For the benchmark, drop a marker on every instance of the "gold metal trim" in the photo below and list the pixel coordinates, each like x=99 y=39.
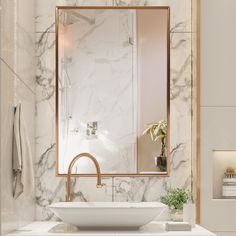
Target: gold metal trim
x=57 y=86
x=198 y=155
x=161 y=174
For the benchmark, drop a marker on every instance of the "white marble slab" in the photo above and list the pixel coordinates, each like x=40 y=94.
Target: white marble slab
x=180 y=14
x=58 y=228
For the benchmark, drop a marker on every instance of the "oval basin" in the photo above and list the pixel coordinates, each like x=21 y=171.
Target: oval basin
x=107 y=215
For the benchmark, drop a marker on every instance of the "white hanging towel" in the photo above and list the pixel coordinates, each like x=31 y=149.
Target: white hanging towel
x=23 y=170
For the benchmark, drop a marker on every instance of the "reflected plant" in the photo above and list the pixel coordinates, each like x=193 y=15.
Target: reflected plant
x=158 y=132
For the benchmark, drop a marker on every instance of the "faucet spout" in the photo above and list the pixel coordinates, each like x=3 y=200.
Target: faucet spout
x=72 y=163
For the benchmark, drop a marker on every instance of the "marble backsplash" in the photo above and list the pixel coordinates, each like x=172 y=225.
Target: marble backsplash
x=50 y=188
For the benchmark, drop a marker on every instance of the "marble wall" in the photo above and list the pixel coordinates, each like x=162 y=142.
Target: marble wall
x=50 y=188
x=17 y=85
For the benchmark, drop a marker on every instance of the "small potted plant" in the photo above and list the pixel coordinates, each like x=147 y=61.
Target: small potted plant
x=175 y=200
x=158 y=132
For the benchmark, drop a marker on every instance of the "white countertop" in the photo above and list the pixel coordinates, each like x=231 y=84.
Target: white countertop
x=49 y=228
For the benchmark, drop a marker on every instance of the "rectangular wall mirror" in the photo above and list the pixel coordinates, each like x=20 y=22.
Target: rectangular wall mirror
x=113 y=83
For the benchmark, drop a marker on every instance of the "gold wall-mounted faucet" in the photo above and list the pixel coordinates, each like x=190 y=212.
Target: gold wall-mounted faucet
x=76 y=158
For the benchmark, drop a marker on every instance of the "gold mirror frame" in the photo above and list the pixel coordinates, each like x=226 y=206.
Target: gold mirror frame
x=164 y=174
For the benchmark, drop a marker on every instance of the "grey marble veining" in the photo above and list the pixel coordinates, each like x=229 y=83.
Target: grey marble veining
x=50 y=188
x=97 y=84
x=153 y=188
x=180 y=13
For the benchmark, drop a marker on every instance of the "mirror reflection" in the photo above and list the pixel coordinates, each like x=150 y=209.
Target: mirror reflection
x=113 y=90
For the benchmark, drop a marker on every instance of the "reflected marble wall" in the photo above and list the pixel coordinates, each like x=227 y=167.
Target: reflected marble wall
x=17 y=85
x=50 y=188
x=97 y=85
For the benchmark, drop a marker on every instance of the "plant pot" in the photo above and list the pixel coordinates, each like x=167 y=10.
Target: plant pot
x=176 y=215
x=161 y=163
x=189 y=213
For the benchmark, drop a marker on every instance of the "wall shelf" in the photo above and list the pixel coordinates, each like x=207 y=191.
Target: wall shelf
x=224 y=200
x=221 y=160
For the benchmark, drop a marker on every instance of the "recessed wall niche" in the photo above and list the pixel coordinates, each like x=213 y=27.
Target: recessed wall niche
x=222 y=159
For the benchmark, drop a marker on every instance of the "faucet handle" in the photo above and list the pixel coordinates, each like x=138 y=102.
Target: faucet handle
x=100 y=185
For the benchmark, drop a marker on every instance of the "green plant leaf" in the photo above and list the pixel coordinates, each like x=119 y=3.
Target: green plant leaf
x=176 y=198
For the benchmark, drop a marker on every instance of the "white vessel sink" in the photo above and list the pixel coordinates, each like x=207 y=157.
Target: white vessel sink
x=107 y=215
